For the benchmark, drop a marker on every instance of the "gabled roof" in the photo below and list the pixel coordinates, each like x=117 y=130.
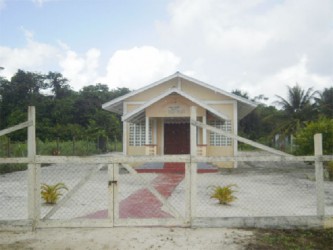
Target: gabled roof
x=140 y=110
x=244 y=106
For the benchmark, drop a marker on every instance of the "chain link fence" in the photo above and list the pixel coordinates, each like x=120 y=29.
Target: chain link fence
x=151 y=194
x=87 y=189
x=14 y=196
x=261 y=189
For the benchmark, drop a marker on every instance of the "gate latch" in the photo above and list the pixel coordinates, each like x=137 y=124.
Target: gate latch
x=112 y=182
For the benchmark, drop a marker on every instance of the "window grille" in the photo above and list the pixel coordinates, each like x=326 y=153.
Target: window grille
x=137 y=134
x=217 y=139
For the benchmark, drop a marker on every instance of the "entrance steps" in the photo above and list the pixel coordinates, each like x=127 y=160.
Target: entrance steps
x=174 y=167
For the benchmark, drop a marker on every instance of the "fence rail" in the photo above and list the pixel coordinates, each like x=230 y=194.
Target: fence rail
x=40 y=159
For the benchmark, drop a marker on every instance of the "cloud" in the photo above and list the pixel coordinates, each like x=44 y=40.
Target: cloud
x=31 y=57
x=35 y=56
x=276 y=84
x=256 y=46
x=250 y=45
x=139 y=66
x=80 y=70
x=130 y=68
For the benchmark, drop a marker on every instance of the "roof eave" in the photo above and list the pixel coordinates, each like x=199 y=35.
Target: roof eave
x=233 y=96
x=140 y=109
x=108 y=105
x=112 y=105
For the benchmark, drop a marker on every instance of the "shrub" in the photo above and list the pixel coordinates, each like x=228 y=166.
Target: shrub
x=304 y=137
x=224 y=194
x=52 y=193
x=9 y=168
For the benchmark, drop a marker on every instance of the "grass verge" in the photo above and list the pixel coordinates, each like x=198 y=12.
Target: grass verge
x=8 y=168
x=304 y=239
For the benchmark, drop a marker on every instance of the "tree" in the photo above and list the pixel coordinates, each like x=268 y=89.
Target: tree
x=58 y=84
x=240 y=93
x=259 y=124
x=23 y=88
x=60 y=111
x=297 y=109
x=325 y=103
x=3 y=84
x=17 y=94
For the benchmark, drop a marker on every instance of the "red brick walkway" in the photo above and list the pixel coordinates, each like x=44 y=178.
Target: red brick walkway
x=142 y=203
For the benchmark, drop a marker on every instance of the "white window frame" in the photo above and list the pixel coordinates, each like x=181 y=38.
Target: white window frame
x=137 y=134
x=217 y=139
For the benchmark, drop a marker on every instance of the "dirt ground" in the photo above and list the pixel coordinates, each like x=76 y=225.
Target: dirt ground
x=127 y=238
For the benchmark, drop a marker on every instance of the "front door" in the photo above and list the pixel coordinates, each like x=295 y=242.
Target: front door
x=176 y=138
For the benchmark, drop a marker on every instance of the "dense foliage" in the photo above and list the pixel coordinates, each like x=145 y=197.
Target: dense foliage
x=301 y=114
x=61 y=112
x=304 y=137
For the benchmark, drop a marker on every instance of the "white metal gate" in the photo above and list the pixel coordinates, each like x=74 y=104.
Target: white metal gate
x=150 y=198
x=115 y=195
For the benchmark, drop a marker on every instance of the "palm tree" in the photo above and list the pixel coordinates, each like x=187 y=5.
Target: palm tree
x=325 y=103
x=297 y=109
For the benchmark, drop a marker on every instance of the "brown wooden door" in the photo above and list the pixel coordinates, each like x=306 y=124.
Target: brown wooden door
x=176 y=138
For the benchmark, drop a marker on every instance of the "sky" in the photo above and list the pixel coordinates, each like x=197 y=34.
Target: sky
x=256 y=46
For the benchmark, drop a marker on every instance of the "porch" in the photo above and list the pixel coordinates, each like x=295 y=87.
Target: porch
x=171 y=136
x=167 y=136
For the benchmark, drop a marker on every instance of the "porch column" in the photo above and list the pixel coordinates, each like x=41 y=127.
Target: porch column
x=204 y=130
x=147 y=130
x=193 y=132
x=124 y=138
x=155 y=131
x=125 y=130
x=235 y=123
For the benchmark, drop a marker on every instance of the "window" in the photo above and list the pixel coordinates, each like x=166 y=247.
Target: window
x=137 y=134
x=217 y=139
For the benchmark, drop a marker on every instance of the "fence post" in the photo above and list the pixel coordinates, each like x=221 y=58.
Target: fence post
x=114 y=209
x=111 y=200
x=187 y=181
x=33 y=169
x=318 y=148
x=193 y=169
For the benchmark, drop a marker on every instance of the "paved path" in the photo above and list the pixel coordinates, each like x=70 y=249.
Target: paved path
x=142 y=203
